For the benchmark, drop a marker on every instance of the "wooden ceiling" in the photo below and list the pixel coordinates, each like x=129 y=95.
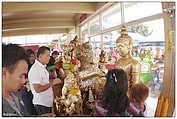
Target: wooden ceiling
x=27 y=18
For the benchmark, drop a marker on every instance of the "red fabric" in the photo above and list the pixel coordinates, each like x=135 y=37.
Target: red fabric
x=74 y=61
x=33 y=47
x=111 y=66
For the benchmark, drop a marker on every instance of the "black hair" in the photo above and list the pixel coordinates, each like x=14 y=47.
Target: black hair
x=41 y=50
x=55 y=53
x=29 y=52
x=115 y=92
x=11 y=55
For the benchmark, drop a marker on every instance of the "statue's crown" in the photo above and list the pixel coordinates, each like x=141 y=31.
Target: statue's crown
x=124 y=35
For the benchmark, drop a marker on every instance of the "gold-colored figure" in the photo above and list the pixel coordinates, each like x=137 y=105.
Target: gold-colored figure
x=91 y=84
x=82 y=82
x=86 y=56
x=103 y=57
x=88 y=68
x=71 y=95
x=71 y=101
x=127 y=62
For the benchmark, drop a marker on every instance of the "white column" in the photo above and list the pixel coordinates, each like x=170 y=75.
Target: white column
x=101 y=24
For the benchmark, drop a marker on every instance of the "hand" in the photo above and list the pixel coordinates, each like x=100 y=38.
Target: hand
x=47 y=115
x=56 y=81
x=62 y=73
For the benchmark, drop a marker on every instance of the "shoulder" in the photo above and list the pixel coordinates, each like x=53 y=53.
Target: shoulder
x=134 y=61
x=135 y=64
x=99 y=110
x=34 y=72
x=133 y=110
x=7 y=110
x=119 y=61
x=35 y=68
x=5 y=105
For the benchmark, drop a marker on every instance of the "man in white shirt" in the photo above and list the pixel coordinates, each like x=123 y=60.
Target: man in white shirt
x=39 y=82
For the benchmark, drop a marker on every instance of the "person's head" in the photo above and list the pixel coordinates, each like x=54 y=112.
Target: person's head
x=138 y=92
x=115 y=91
x=31 y=56
x=43 y=54
x=55 y=54
x=124 y=43
x=14 y=67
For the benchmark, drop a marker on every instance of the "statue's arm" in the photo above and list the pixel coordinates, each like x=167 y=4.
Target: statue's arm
x=135 y=72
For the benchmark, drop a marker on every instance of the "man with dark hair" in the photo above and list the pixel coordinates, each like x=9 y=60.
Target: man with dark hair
x=14 y=69
x=42 y=50
x=39 y=82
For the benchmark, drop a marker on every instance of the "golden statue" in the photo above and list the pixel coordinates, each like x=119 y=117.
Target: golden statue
x=103 y=56
x=82 y=83
x=127 y=62
x=71 y=101
x=91 y=83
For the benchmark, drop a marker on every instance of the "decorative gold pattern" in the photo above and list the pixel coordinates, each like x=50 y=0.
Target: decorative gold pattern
x=170 y=43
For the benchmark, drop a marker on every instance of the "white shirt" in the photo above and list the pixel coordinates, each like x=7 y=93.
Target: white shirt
x=39 y=75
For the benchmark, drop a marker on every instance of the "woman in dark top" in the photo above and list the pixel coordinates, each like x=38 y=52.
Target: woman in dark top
x=115 y=100
x=26 y=93
x=31 y=58
x=53 y=73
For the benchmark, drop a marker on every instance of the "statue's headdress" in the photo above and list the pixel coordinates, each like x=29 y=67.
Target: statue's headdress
x=124 y=36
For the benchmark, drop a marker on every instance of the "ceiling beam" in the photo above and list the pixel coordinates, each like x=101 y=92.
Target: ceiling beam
x=33 y=32
x=39 y=24
x=60 y=7
x=7 y=21
x=36 y=15
x=99 y=5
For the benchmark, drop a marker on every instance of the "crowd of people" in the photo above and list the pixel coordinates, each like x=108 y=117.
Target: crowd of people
x=27 y=86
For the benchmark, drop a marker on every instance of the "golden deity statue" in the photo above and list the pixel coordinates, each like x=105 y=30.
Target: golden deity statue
x=71 y=101
x=127 y=62
x=83 y=82
x=91 y=78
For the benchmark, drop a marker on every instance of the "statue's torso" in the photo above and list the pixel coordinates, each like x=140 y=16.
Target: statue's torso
x=131 y=66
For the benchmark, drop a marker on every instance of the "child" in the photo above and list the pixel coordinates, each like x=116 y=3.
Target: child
x=138 y=93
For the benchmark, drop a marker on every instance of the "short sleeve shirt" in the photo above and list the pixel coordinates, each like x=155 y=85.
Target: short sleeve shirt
x=39 y=75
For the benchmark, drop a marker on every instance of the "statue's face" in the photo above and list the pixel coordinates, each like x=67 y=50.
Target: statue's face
x=123 y=48
x=87 y=48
